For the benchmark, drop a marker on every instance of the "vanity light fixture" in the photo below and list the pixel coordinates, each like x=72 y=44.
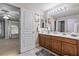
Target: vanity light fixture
x=62 y=8
x=59 y=9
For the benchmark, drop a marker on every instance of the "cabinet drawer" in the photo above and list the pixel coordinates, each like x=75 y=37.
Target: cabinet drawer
x=57 y=38
x=68 y=40
x=41 y=34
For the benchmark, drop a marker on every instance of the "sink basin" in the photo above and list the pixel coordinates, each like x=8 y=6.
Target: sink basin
x=74 y=34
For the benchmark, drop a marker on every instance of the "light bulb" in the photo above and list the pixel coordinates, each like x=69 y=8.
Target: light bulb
x=5 y=17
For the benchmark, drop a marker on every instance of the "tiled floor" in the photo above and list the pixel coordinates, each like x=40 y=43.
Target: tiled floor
x=32 y=52
x=9 y=47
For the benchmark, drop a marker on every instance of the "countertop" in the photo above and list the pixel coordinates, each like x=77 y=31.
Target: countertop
x=61 y=35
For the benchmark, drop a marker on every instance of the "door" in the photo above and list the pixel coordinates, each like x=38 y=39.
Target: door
x=27 y=34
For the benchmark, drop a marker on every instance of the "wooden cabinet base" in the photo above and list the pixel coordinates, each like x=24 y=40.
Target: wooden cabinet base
x=59 y=45
x=69 y=49
x=56 y=46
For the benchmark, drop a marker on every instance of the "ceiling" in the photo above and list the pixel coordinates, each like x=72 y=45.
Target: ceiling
x=56 y=9
x=37 y=6
x=8 y=10
x=14 y=13
x=65 y=9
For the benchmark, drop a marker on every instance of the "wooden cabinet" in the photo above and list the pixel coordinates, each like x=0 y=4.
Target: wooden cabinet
x=68 y=40
x=48 y=42
x=56 y=44
x=78 y=48
x=42 y=40
x=69 y=49
x=45 y=41
x=60 y=45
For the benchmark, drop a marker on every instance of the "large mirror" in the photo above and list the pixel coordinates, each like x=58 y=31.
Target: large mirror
x=9 y=29
x=68 y=24
x=66 y=19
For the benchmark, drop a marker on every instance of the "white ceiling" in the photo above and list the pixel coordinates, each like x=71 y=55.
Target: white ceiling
x=8 y=10
x=37 y=6
x=65 y=9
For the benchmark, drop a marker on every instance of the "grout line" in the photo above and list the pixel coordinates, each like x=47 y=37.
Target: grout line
x=50 y=51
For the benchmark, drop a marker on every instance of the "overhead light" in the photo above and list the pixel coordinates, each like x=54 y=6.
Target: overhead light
x=5 y=17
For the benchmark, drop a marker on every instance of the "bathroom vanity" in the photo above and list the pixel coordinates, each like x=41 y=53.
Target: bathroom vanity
x=66 y=21
x=60 y=44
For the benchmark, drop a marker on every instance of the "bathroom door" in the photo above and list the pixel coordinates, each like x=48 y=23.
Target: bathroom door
x=27 y=33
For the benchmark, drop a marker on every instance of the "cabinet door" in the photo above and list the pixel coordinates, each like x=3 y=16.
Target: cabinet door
x=69 y=49
x=78 y=50
x=42 y=40
x=45 y=41
x=48 y=42
x=56 y=46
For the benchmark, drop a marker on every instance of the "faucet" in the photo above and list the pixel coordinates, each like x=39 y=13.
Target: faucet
x=48 y=30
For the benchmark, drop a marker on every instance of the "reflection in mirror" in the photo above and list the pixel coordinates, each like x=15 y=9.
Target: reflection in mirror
x=42 y=23
x=9 y=29
x=14 y=32
x=61 y=26
x=69 y=24
x=54 y=25
x=2 y=29
x=69 y=14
